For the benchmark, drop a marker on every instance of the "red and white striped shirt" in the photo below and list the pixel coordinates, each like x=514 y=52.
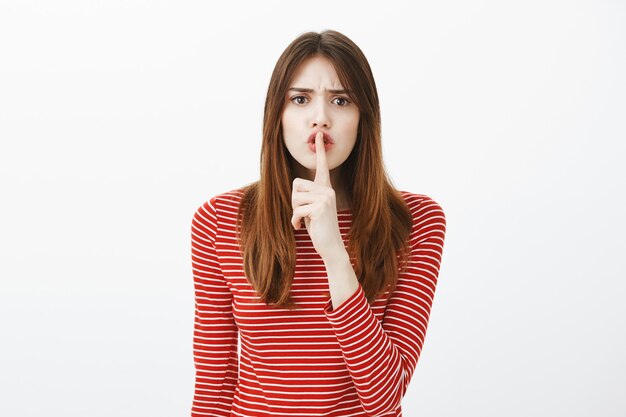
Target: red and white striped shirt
x=356 y=360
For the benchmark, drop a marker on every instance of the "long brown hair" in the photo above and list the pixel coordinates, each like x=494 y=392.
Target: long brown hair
x=381 y=220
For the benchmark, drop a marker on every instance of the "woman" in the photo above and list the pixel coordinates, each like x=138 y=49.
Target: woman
x=331 y=316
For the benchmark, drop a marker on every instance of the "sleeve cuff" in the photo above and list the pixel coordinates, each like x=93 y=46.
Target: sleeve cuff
x=345 y=311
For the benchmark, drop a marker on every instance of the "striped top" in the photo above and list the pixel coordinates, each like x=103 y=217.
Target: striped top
x=357 y=360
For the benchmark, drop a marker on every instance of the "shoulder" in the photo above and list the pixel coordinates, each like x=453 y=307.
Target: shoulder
x=215 y=209
x=422 y=204
x=217 y=203
x=428 y=216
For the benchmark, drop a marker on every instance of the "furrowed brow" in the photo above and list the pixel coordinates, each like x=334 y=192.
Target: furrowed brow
x=310 y=90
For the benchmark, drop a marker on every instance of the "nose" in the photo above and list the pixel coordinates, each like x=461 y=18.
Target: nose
x=320 y=116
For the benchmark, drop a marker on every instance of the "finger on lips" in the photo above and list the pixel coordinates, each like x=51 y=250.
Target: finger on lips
x=322 y=175
x=321 y=170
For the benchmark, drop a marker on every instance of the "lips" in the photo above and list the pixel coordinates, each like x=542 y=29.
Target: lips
x=327 y=138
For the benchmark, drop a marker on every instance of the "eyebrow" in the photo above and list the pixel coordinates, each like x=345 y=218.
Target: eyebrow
x=310 y=90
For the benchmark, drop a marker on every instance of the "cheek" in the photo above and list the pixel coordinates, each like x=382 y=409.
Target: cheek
x=286 y=125
x=345 y=148
x=356 y=119
x=350 y=121
x=288 y=115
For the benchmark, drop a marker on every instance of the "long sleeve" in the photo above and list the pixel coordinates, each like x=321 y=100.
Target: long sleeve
x=381 y=357
x=215 y=336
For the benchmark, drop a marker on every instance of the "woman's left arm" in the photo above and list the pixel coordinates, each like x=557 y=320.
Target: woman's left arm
x=381 y=357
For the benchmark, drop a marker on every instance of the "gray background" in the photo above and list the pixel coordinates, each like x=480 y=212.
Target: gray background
x=119 y=118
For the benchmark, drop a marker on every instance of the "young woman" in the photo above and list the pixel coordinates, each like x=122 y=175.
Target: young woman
x=328 y=319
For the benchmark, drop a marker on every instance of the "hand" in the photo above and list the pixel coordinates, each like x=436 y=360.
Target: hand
x=315 y=202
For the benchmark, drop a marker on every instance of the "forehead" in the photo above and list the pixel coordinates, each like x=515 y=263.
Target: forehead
x=317 y=73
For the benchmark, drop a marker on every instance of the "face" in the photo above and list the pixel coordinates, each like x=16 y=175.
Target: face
x=318 y=109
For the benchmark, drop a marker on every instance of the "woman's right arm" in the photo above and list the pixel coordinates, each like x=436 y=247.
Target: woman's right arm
x=215 y=335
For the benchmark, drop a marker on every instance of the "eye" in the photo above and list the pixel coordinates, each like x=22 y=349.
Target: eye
x=345 y=100
x=297 y=97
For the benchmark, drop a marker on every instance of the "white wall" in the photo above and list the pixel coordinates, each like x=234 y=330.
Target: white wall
x=119 y=118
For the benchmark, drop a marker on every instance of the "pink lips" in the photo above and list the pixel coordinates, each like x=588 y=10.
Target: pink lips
x=328 y=142
x=327 y=138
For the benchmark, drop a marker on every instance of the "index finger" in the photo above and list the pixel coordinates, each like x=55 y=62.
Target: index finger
x=322 y=176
